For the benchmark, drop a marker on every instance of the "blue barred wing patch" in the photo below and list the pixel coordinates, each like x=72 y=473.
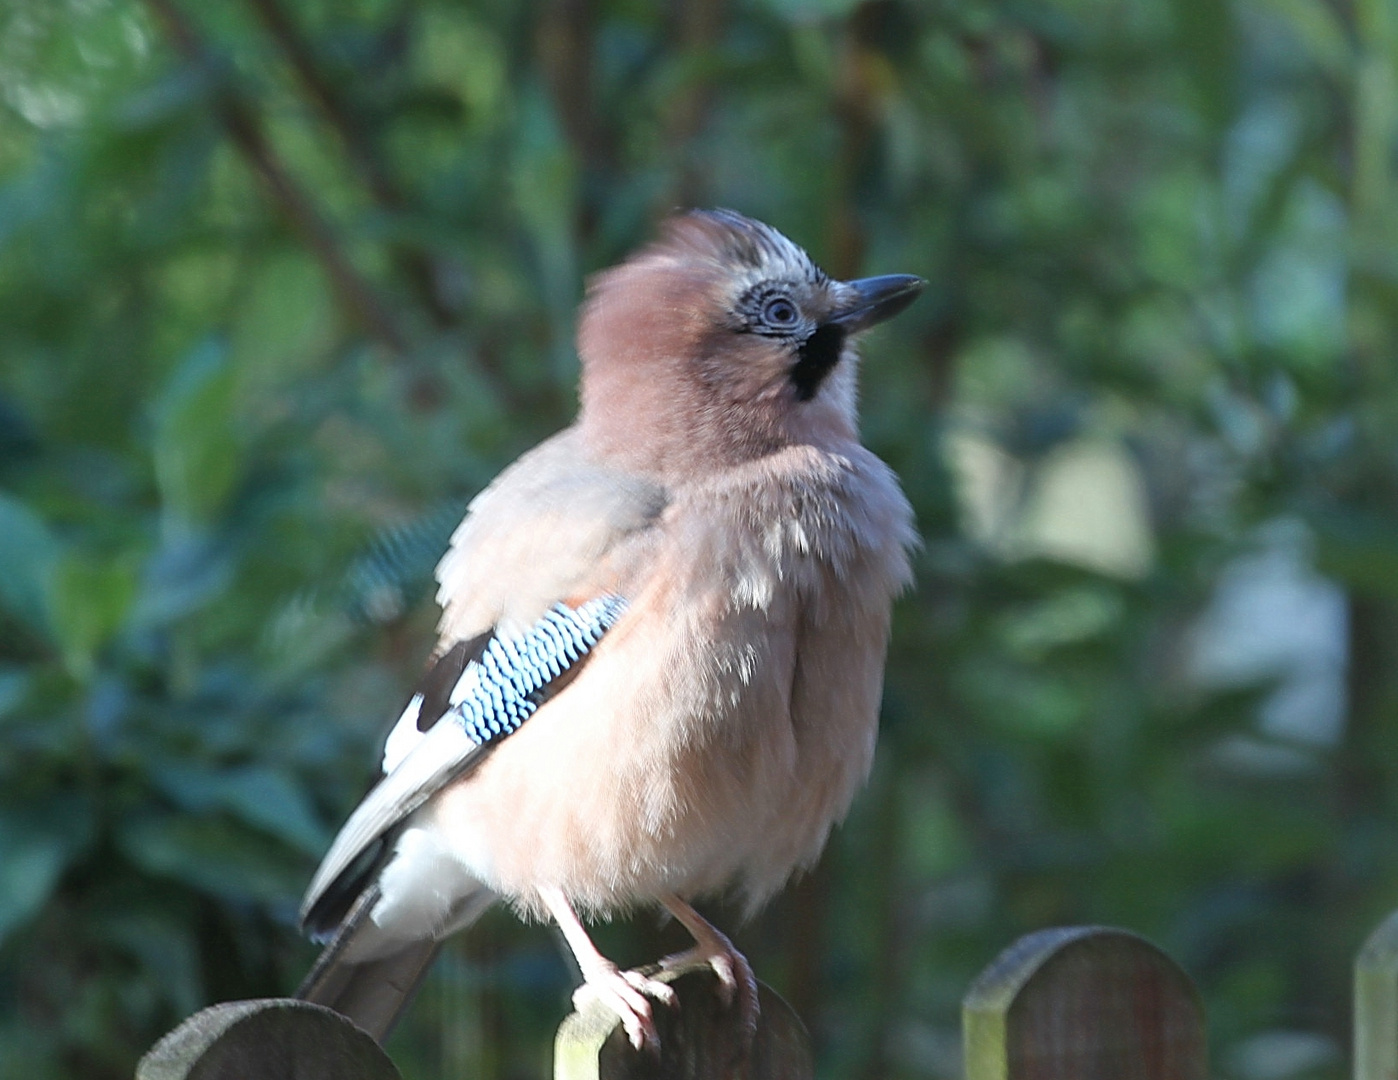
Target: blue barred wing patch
x=500 y=689
x=511 y=678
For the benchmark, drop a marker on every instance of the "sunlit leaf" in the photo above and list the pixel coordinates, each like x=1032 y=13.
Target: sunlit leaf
x=90 y=599
x=196 y=446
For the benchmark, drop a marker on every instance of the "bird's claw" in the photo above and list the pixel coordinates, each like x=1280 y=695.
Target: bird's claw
x=735 y=975
x=629 y=995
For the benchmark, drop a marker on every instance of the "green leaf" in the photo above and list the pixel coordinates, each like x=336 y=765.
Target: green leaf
x=257 y=796
x=284 y=325
x=166 y=948
x=37 y=843
x=89 y=602
x=14 y=685
x=27 y=553
x=804 y=11
x=1362 y=553
x=1067 y=617
x=1320 y=29
x=211 y=855
x=196 y=448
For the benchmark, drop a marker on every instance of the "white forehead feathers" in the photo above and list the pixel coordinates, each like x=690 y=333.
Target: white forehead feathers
x=748 y=250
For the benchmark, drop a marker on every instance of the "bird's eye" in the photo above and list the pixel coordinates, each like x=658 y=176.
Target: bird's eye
x=781 y=313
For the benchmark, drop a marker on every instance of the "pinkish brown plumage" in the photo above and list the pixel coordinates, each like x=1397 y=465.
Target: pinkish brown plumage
x=709 y=737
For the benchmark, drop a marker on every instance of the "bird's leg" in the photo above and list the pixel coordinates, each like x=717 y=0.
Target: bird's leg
x=712 y=947
x=626 y=993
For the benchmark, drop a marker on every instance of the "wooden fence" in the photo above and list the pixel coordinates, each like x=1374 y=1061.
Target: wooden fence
x=1079 y=1003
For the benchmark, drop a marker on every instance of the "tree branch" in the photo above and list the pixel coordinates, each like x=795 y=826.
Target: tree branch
x=416 y=266
x=698 y=28
x=356 y=296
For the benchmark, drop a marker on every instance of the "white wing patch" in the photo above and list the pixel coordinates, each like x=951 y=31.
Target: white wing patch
x=469 y=683
x=404 y=736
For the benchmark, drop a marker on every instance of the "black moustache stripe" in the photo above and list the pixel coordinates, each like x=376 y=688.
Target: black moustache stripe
x=816 y=358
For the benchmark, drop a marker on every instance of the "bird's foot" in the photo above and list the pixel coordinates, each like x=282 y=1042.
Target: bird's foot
x=737 y=983
x=628 y=994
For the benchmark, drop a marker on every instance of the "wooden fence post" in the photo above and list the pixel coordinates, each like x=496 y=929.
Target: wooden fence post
x=269 y=1039
x=698 y=1040
x=1084 y=1003
x=1376 y=1004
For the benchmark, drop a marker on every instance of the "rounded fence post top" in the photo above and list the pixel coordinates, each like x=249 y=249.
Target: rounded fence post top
x=266 y=1039
x=1380 y=949
x=1009 y=972
x=1084 y=1003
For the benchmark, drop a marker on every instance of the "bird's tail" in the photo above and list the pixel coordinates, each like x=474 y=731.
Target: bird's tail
x=372 y=993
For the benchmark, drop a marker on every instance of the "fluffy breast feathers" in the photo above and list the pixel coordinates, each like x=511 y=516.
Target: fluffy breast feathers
x=723 y=725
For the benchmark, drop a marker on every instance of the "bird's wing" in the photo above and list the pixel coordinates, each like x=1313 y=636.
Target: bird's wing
x=545 y=530
x=528 y=587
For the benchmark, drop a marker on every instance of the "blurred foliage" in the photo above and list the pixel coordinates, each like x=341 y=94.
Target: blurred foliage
x=284 y=282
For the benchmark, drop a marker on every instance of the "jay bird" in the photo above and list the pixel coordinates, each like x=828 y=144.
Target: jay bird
x=662 y=642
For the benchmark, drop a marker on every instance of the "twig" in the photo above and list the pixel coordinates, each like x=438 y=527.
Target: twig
x=356 y=295
x=699 y=28
x=414 y=264
x=856 y=111
x=563 y=44
x=278 y=23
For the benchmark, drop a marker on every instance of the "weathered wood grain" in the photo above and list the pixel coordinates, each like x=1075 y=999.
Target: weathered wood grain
x=267 y=1039
x=1084 y=1003
x=1376 y=1004
x=699 y=1040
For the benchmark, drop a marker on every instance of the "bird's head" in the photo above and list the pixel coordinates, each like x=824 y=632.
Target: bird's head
x=720 y=342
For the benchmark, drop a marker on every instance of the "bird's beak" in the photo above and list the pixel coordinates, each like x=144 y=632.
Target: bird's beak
x=872 y=300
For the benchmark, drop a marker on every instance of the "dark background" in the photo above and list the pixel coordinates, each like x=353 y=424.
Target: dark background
x=284 y=282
